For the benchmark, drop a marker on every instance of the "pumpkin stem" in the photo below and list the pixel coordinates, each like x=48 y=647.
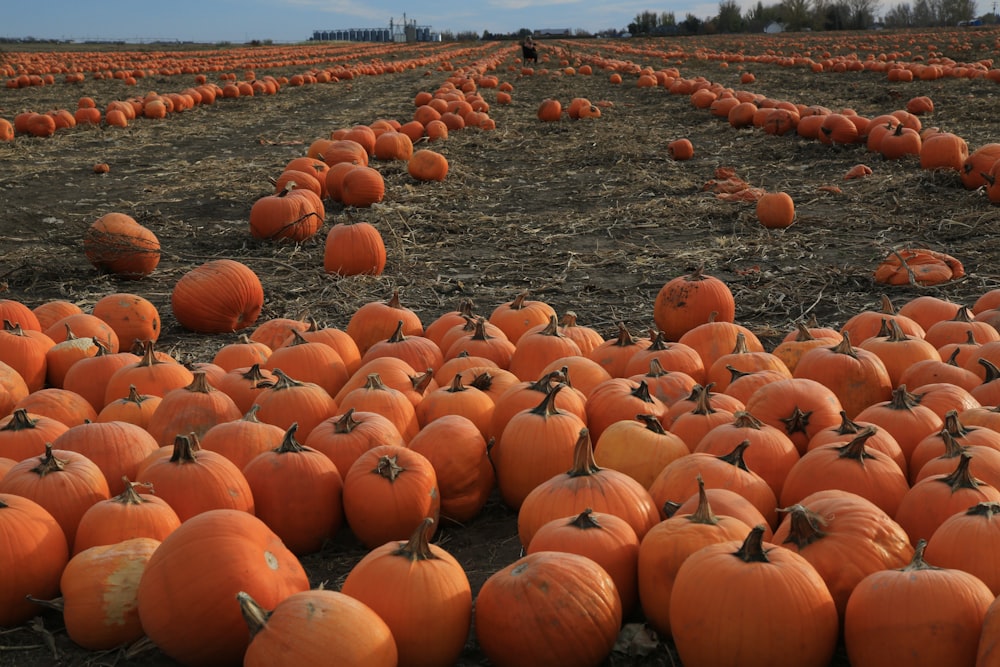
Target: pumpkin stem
x=641 y=392
x=961 y=477
x=847 y=425
x=289 y=445
x=625 y=338
x=397 y=335
x=652 y=423
x=992 y=372
x=584 y=464
x=741 y=344
x=802 y=333
x=388 y=467
x=19 y=421
x=134 y=396
x=422 y=381
x=374 y=382
x=256 y=378
x=744 y=419
x=735 y=457
x=844 y=346
x=752 y=549
x=184 y=448
x=918 y=562
x=984 y=509
x=703 y=513
x=130 y=496
x=48 y=463
x=585 y=520
x=855 y=449
x=255 y=615
x=199 y=384
x=346 y=423
x=902 y=399
x=953 y=426
x=547 y=407
x=703 y=399
x=418 y=547
x=806 y=526
x=518 y=302
x=798 y=421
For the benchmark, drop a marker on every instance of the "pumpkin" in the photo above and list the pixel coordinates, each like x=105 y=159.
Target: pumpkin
x=117 y=244
x=966 y=541
x=62 y=405
x=118 y=448
x=195 y=619
x=354 y=249
x=845 y=537
x=427 y=165
x=192 y=409
x=26 y=352
x=944 y=150
x=563 y=609
x=517 y=316
x=362 y=187
x=687 y=301
x=775 y=210
x=535 y=445
x=680 y=149
x=99 y=590
x=297 y=493
x=34 y=560
x=638 y=447
x=377 y=320
x=218 y=296
x=65 y=483
x=149 y=374
x=403 y=580
x=127 y=516
x=18 y=313
x=587 y=485
x=669 y=543
x=23 y=435
x=920 y=266
x=606 y=539
x=289 y=214
x=194 y=480
x=894 y=616
x=132 y=317
x=387 y=491
x=856 y=376
x=728 y=621
x=393 y=145
x=315 y=627
x=549 y=110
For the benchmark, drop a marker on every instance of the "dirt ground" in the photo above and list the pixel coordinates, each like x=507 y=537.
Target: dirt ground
x=591 y=216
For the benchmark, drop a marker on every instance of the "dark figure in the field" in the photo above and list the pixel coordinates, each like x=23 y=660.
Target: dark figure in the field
x=529 y=51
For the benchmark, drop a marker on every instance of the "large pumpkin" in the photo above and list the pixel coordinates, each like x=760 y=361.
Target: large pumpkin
x=219 y=296
x=687 y=301
x=548 y=608
x=117 y=244
x=187 y=594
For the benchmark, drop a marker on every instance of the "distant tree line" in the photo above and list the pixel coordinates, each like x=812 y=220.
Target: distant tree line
x=812 y=15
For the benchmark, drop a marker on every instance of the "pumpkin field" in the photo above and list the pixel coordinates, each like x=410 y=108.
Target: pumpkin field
x=681 y=244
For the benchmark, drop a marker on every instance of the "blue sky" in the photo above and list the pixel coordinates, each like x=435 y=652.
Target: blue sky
x=294 y=20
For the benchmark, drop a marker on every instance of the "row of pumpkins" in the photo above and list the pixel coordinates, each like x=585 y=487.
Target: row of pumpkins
x=387 y=424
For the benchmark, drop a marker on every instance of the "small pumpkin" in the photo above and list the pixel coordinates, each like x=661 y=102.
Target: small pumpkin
x=117 y=244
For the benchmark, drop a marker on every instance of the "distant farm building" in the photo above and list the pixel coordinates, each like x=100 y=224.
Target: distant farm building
x=398 y=31
x=774 y=27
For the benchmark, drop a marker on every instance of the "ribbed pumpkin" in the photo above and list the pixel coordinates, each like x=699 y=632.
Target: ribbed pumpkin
x=245 y=556
x=764 y=590
x=362 y=187
x=562 y=608
x=344 y=437
x=403 y=580
x=968 y=541
x=191 y=409
x=131 y=316
x=668 y=544
x=427 y=165
x=586 y=485
x=116 y=243
x=289 y=214
x=194 y=480
x=289 y=401
x=219 y=296
x=687 y=301
x=845 y=537
x=536 y=444
x=354 y=248
x=25 y=351
x=128 y=515
x=606 y=539
x=297 y=492
x=315 y=627
x=638 y=447
x=23 y=435
x=117 y=448
x=65 y=483
x=387 y=491
x=34 y=553
x=62 y=405
x=896 y=616
x=377 y=320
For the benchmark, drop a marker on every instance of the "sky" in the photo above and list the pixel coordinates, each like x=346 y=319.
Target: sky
x=240 y=21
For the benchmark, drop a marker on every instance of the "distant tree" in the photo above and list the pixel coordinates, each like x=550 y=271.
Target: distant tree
x=862 y=13
x=899 y=16
x=730 y=18
x=954 y=11
x=644 y=23
x=924 y=13
x=580 y=32
x=691 y=24
x=467 y=36
x=795 y=14
x=667 y=20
